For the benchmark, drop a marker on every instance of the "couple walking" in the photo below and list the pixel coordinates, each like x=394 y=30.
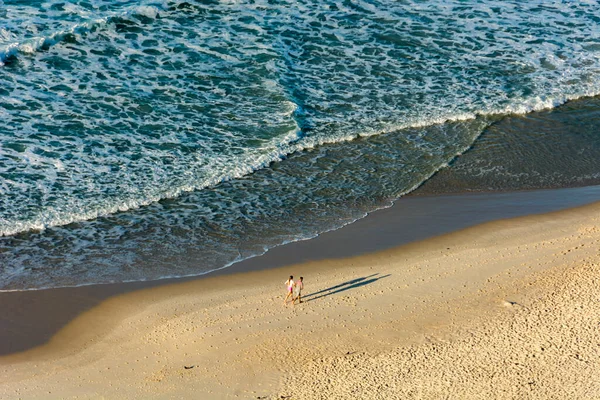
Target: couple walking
x=294 y=289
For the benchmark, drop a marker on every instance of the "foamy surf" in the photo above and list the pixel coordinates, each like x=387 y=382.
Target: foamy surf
x=217 y=120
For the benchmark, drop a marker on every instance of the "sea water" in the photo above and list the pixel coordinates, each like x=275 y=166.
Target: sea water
x=143 y=140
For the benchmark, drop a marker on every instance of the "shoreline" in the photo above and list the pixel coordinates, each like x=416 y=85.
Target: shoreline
x=228 y=336
x=30 y=318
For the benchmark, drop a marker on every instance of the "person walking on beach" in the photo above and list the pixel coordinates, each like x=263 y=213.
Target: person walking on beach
x=290 y=287
x=298 y=289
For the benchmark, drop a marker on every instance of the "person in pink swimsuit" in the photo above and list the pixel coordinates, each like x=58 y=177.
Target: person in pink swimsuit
x=290 y=288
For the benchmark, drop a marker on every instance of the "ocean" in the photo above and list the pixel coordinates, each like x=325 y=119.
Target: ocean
x=145 y=140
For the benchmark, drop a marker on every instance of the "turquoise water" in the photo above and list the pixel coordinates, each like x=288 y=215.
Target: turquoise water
x=142 y=141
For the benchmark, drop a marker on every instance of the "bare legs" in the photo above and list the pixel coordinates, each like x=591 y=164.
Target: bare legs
x=297 y=298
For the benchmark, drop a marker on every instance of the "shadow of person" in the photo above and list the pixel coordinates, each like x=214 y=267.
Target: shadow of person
x=342 y=287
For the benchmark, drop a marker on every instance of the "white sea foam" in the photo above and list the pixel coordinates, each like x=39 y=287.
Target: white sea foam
x=146 y=11
x=32 y=45
x=251 y=162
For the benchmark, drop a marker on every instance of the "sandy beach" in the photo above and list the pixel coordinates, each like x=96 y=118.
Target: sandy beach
x=430 y=168
x=498 y=309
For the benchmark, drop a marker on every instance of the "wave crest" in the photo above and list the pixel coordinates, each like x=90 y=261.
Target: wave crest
x=36 y=44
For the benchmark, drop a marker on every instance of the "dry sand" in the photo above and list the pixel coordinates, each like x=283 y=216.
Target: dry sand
x=508 y=309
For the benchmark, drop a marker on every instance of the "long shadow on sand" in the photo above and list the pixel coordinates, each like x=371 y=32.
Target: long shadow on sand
x=342 y=287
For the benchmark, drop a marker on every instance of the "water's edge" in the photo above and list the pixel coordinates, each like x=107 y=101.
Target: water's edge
x=408 y=220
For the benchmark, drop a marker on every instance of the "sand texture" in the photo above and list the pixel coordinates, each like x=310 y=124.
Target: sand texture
x=545 y=347
x=504 y=310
